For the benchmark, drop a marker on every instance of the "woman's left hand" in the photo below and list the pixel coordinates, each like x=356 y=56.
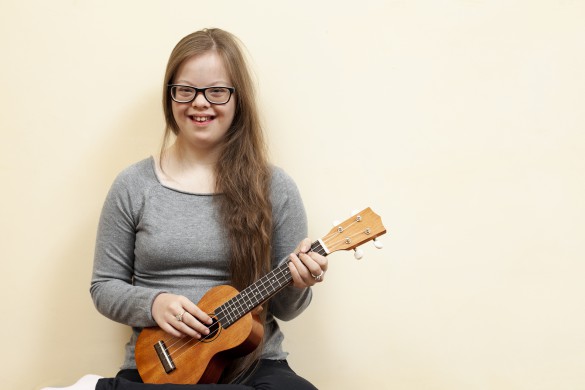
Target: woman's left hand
x=307 y=269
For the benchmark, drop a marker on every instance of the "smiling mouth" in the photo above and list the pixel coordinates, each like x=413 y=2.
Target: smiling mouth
x=201 y=119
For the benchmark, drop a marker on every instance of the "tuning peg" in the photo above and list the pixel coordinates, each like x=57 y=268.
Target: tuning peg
x=378 y=244
x=358 y=253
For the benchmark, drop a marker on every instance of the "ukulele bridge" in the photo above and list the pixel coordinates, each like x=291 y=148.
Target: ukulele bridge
x=164 y=356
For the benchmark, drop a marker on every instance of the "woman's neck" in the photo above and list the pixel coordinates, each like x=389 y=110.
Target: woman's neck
x=187 y=169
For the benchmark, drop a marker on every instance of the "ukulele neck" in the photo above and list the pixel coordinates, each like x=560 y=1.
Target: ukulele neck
x=259 y=292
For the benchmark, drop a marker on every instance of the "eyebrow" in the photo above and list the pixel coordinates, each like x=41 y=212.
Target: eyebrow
x=215 y=83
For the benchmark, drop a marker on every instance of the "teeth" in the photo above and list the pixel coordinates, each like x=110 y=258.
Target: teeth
x=201 y=118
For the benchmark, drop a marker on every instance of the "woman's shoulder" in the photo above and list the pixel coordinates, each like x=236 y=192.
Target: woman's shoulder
x=280 y=179
x=139 y=175
x=139 y=168
x=287 y=203
x=283 y=187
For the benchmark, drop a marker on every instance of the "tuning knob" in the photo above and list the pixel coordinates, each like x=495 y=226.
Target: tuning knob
x=378 y=244
x=358 y=253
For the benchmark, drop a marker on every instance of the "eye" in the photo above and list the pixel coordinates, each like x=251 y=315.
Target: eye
x=184 y=91
x=218 y=91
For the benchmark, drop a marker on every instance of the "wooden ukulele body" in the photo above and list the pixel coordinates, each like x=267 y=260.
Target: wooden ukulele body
x=198 y=361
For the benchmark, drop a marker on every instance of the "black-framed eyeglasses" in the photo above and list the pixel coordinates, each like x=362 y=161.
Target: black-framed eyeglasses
x=187 y=93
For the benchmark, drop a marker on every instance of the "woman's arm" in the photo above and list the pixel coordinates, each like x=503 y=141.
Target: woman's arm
x=289 y=228
x=112 y=290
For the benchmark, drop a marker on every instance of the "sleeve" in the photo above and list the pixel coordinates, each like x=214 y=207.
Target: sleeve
x=289 y=228
x=112 y=289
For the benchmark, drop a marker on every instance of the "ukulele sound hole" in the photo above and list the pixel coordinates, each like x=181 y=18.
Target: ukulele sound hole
x=214 y=331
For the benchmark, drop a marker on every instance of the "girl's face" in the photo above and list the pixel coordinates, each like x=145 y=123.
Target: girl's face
x=202 y=124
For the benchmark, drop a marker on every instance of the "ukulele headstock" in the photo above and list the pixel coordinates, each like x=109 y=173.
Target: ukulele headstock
x=354 y=231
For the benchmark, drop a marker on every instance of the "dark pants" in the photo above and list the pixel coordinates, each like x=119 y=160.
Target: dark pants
x=269 y=375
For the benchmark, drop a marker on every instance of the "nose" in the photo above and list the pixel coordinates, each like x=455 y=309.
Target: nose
x=200 y=100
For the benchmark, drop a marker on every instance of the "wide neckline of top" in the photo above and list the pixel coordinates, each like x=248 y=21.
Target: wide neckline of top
x=159 y=181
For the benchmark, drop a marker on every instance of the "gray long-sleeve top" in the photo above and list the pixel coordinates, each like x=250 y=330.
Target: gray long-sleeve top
x=153 y=239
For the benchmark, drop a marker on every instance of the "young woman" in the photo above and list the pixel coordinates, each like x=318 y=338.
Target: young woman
x=209 y=210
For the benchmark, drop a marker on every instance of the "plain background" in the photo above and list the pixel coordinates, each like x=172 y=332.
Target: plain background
x=460 y=122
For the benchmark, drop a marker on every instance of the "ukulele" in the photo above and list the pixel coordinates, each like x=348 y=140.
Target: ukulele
x=235 y=332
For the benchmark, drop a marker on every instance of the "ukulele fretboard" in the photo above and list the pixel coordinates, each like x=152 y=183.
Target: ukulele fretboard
x=258 y=292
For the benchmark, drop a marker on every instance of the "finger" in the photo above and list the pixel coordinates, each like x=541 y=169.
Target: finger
x=185 y=324
x=304 y=246
x=174 y=312
x=196 y=312
x=185 y=328
x=300 y=273
x=194 y=327
x=323 y=265
x=319 y=259
x=257 y=310
x=168 y=328
x=297 y=279
x=191 y=320
x=311 y=264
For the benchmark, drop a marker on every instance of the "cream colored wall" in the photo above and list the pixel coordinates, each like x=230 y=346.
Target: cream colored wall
x=460 y=122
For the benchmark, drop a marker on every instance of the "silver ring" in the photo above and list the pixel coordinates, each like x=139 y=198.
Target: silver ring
x=318 y=277
x=179 y=317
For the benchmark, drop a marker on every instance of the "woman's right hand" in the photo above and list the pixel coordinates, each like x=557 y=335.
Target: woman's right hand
x=178 y=316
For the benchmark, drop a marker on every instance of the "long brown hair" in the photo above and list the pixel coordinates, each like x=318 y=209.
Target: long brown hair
x=242 y=171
